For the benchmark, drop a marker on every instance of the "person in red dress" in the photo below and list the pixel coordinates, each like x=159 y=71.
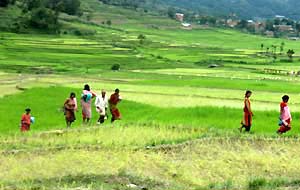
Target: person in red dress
x=25 y=120
x=113 y=101
x=248 y=114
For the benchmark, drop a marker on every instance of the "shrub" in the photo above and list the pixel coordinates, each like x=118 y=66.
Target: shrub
x=257 y=183
x=115 y=67
x=83 y=32
x=108 y=22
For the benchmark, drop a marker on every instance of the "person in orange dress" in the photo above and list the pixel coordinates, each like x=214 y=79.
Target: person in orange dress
x=26 y=120
x=248 y=114
x=285 y=116
x=113 y=101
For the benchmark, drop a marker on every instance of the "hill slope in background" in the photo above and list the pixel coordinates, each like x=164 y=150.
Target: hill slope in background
x=243 y=8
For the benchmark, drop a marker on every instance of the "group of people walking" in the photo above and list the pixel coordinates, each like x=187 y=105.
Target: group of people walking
x=285 y=116
x=102 y=104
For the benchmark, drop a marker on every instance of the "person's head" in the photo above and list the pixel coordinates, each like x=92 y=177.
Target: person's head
x=103 y=92
x=87 y=87
x=72 y=95
x=285 y=98
x=248 y=93
x=27 y=110
x=117 y=91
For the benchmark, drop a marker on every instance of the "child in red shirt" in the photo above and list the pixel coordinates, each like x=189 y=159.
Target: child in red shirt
x=25 y=121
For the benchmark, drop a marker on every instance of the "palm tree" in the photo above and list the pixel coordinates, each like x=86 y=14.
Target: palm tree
x=290 y=54
x=281 y=47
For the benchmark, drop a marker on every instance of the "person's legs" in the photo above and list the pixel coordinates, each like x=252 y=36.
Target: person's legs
x=101 y=119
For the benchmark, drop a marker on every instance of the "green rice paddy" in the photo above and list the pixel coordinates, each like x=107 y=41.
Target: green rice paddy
x=180 y=116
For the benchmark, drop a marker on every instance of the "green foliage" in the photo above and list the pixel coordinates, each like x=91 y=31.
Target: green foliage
x=108 y=22
x=71 y=7
x=4 y=3
x=115 y=67
x=245 y=8
x=290 y=54
x=125 y=3
x=44 y=18
x=257 y=184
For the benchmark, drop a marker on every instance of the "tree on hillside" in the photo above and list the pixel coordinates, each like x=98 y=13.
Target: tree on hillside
x=171 y=12
x=242 y=24
x=270 y=25
x=71 y=7
x=29 y=5
x=44 y=18
x=267 y=50
x=261 y=47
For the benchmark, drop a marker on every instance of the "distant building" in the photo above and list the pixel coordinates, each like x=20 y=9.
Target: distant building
x=259 y=27
x=279 y=17
x=269 y=33
x=232 y=23
x=294 y=38
x=186 y=26
x=179 y=17
x=284 y=28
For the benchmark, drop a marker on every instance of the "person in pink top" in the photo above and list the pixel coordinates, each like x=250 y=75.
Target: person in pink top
x=86 y=100
x=285 y=116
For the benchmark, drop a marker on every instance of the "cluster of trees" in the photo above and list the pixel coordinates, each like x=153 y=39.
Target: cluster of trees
x=5 y=3
x=125 y=3
x=272 y=51
x=42 y=14
x=246 y=9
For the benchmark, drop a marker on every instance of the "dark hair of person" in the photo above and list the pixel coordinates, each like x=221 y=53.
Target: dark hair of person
x=27 y=109
x=117 y=90
x=87 y=87
x=285 y=98
x=247 y=92
x=72 y=94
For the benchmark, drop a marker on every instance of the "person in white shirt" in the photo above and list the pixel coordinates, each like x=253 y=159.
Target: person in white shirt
x=101 y=104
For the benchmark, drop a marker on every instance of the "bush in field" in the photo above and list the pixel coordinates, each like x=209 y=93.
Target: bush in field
x=115 y=67
x=109 y=22
x=83 y=32
x=142 y=38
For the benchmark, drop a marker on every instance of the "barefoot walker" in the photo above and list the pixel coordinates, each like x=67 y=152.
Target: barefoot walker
x=285 y=117
x=247 y=119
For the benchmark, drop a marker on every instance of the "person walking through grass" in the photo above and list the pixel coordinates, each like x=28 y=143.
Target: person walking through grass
x=70 y=106
x=26 y=120
x=86 y=100
x=113 y=101
x=101 y=104
x=248 y=114
x=285 y=117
